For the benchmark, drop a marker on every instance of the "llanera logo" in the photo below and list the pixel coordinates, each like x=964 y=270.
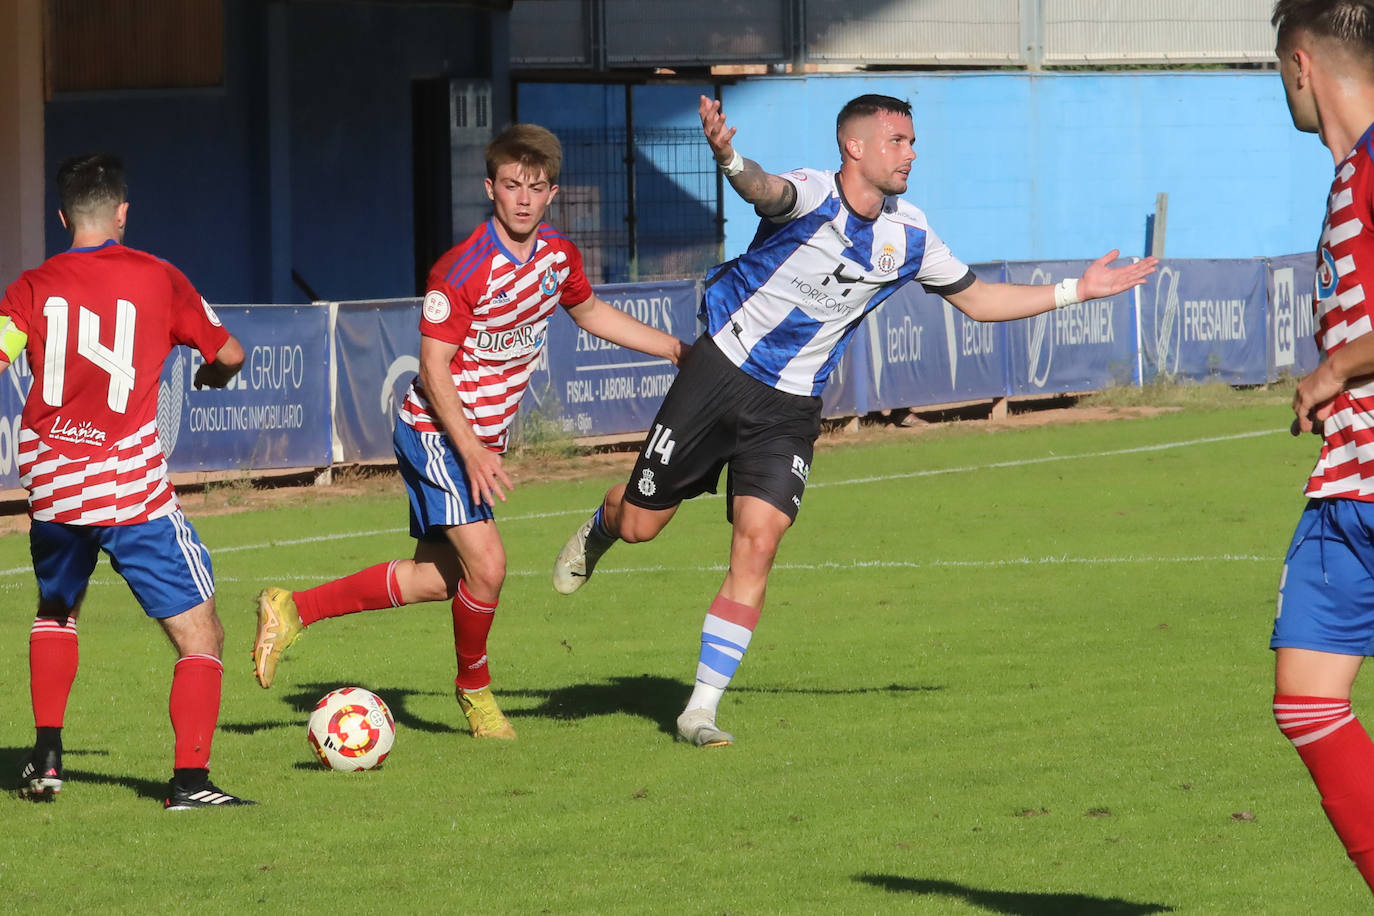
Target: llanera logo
x=82 y=433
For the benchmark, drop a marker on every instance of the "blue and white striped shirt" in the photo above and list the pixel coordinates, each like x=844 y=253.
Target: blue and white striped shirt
x=784 y=310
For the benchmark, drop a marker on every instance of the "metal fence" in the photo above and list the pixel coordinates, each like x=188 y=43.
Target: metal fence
x=607 y=35
x=639 y=204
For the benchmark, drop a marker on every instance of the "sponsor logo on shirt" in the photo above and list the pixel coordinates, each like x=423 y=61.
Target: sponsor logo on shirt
x=82 y=433
x=507 y=344
x=436 y=308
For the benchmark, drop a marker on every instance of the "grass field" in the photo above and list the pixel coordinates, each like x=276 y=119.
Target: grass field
x=1019 y=671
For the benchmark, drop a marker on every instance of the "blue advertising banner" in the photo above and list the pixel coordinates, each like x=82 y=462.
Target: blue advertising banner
x=376 y=354
x=1083 y=347
x=1205 y=319
x=14 y=388
x=274 y=414
x=595 y=388
x=923 y=351
x=1292 y=280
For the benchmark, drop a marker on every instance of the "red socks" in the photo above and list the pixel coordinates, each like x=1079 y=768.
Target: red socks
x=194 y=706
x=372 y=588
x=471 y=624
x=1340 y=757
x=52 y=669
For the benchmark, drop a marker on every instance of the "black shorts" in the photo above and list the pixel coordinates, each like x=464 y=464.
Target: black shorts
x=713 y=415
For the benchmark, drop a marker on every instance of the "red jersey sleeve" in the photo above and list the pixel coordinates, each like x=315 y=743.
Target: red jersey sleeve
x=447 y=311
x=193 y=322
x=18 y=303
x=577 y=289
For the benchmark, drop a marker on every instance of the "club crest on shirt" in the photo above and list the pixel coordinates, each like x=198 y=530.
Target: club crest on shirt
x=1326 y=275
x=647 y=487
x=436 y=307
x=886 y=261
x=548 y=283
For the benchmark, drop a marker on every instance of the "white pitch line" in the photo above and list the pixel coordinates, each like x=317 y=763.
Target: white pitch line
x=829 y=566
x=906 y=475
x=1024 y=462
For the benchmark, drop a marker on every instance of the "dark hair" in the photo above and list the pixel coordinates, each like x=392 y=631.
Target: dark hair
x=534 y=147
x=866 y=105
x=87 y=184
x=1350 y=22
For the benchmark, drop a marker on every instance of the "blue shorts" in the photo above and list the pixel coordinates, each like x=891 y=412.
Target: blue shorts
x=163 y=561
x=1326 y=593
x=438 y=487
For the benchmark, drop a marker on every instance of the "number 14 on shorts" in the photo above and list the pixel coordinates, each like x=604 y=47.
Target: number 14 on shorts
x=661 y=443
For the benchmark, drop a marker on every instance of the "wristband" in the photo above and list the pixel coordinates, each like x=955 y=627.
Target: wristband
x=1066 y=293
x=12 y=339
x=734 y=166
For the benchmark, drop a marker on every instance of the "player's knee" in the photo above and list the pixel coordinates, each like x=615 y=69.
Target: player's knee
x=486 y=580
x=632 y=533
x=753 y=550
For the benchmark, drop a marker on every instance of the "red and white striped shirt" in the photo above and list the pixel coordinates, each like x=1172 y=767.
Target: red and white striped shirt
x=100 y=323
x=496 y=309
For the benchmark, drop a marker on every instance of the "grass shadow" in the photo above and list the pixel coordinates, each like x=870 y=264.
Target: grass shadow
x=12 y=758
x=655 y=698
x=1015 y=903
x=648 y=696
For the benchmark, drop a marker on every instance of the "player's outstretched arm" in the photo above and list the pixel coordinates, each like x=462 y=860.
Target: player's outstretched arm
x=770 y=194
x=1007 y=301
x=228 y=362
x=484 y=467
x=599 y=317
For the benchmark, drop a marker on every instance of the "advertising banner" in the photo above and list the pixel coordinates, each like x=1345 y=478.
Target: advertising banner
x=1292 y=326
x=923 y=351
x=376 y=354
x=1084 y=347
x=14 y=388
x=1205 y=319
x=274 y=414
x=594 y=388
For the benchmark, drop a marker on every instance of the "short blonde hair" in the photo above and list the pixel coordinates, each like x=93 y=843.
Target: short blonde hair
x=534 y=147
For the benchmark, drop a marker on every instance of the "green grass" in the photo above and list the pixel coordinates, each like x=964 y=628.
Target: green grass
x=1021 y=672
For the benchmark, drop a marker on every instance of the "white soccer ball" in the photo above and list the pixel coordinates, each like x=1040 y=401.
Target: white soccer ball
x=351 y=729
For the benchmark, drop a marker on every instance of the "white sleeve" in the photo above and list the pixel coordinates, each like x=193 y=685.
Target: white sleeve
x=812 y=187
x=941 y=272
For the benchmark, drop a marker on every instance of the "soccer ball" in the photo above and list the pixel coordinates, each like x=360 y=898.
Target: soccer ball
x=351 y=729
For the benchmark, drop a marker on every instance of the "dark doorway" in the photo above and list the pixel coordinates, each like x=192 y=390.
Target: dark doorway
x=433 y=180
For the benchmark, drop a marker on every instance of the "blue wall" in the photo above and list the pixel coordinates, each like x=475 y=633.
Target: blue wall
x=333 y=121
x=1025 y=166
x=196 y=167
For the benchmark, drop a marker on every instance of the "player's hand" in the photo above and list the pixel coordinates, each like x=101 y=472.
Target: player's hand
x=487 y=474
x=683 y=348
x=210 y=375
x=1100 y=281
x=718 y=135
x=1315 y=400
